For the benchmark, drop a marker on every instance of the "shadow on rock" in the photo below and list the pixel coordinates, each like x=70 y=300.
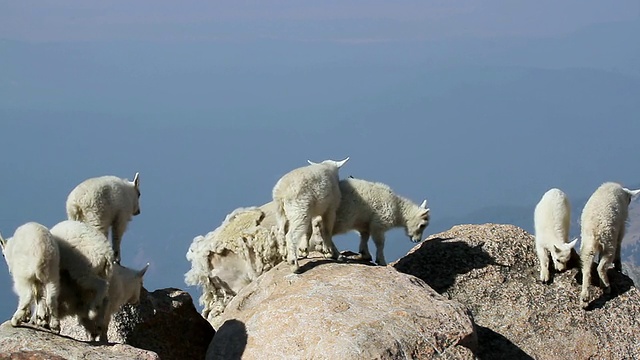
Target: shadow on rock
x=351 y=257
x=347 y=258
x=493 y=345
x=620 y=284
x=229 y=342
x=313 y=263
x=438 y=261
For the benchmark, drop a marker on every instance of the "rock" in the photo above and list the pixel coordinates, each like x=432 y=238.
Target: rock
x=165 y=321
x=32 y=343
x=342 y=311
x=493 y=269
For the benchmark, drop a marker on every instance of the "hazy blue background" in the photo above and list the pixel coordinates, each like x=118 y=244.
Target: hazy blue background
x=478 y=106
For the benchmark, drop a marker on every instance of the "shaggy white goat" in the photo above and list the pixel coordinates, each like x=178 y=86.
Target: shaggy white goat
x=125 y=285
x=227 y=259
x=33 y=259
x=302 y=194
x=86 y=255
x=551 y=219
x=74 y=300
x=602 y=229
x=106 y=202
x=372 y=209
x=124 y=288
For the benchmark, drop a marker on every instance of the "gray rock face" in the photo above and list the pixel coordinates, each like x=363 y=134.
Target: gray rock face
x=165 y=321
x=342 y=311
x=30 y=343
x=493 y=270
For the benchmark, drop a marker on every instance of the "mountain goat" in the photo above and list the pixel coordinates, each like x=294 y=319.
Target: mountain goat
x=302 y=194
x=125 y=285
x=106 y=202
x=33 y=259
x=124 y=288
x=87 y=257
x=230 y=257
x=372 y=209
x=551 y=220
x=602 y=228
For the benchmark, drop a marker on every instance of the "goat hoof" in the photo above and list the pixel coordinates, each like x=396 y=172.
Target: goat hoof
x=295 y=268
x=363 y=258
x=584 y=302
x=55 y=327
x=41 y=322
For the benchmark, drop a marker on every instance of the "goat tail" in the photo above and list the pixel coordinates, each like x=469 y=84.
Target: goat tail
x=74 y=212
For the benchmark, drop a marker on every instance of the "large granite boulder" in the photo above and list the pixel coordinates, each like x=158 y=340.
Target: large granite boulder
x=342 y=311
x=493 y=270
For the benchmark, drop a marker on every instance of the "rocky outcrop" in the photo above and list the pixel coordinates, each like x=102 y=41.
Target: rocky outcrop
x=165 y=321
x=493 y=270
x=342 y=311
x=34 y=344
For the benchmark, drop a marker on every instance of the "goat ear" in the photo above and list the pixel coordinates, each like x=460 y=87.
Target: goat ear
x=556 y=248
x=144 y=270
x=136 y=180
x=340 y=163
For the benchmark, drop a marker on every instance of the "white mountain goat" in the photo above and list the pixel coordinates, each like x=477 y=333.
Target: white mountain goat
x=87 y=257
x=124 y=288
x=602 y=228
x=230 y=257
x=125 y=285
x=551 y=219
x=75 y=301
x=302 y=194
x=106 y=202
x=372 y=209
x=33 y=258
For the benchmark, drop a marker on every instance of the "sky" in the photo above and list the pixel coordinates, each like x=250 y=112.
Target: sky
x=471 y=105
x=355 y=20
